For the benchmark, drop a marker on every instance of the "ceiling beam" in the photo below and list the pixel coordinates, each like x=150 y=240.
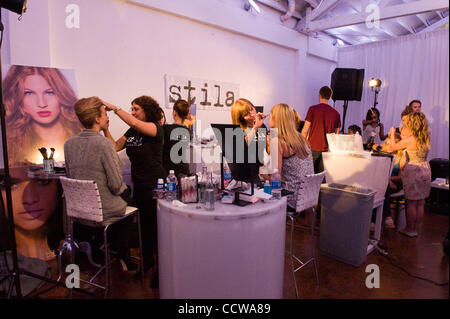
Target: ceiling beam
x=390 y=12
x=435 y=25
x=324 y=7
x=312 y=3
x=347 y=40
x=405 y=26
x=278 y=6
x=420 y=17
x=389 y=33
x=424 y=20
x=384 y=3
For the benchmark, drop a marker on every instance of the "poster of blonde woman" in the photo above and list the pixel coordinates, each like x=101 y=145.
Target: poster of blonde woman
x=39 y=113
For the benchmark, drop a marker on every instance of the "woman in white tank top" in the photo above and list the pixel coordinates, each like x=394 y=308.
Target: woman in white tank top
x=373 y=127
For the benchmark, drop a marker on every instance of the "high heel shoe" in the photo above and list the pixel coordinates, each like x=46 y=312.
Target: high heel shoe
x=128 y=265
x=125 y=261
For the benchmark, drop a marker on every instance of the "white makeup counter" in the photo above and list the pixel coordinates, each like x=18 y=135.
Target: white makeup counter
x=231 y=252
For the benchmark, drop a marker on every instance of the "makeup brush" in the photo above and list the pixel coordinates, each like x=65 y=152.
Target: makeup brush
x=43 y=151
x=52 y=153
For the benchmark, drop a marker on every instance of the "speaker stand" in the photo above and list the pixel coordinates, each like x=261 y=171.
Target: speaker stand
x=345 y=113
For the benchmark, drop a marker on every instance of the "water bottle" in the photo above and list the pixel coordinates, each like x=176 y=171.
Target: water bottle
x=158 y=192
x=171 y=186
x=210 y=196
x=226 y=175
x=276 y=184
x=267 y=187
x=371 y=142
x=202 y=185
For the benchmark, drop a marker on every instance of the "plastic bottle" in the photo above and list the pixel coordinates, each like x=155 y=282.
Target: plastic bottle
x=202 y=185
x=371 y=142
x=267 y=187
x=158 y=192
x=226 y=175
x=171 y=186
x=276 y=184
x=210 y=197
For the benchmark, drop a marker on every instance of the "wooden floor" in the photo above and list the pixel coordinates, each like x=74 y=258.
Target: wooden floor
x=420 y=257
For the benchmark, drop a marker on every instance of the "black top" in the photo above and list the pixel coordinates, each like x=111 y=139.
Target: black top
x=181 y=143
x=145 y=153
x=300 y=127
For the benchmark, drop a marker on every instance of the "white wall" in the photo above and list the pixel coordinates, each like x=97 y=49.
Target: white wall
x=122 y=50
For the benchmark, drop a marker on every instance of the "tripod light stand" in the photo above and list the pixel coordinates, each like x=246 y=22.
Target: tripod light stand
x=375 y=84
x=19 y=7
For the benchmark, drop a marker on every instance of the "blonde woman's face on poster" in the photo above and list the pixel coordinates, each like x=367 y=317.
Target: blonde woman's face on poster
x=40 y=100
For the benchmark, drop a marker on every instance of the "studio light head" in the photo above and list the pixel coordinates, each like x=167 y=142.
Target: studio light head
x=17 y=6
x=374 y=83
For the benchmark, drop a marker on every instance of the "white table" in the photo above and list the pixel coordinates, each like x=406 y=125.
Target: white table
x=231 y=252
x=372 y=172
x=440 y=185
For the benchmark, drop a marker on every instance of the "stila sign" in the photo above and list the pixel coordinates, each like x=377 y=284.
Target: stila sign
x=206 y=94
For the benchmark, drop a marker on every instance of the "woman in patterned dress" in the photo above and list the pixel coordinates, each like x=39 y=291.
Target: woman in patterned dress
x=416 y=172
x=294 y=155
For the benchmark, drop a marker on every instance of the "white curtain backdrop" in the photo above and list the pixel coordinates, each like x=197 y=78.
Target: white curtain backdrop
x=410 y=67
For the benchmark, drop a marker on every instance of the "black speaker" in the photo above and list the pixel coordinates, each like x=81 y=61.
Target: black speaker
x=347 y=84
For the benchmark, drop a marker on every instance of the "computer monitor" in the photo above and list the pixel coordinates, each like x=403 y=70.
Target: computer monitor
x=259 y=109
x=243 y=160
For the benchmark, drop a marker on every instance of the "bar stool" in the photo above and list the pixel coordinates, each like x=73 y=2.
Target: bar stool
x=83 y=204
x=307 y=197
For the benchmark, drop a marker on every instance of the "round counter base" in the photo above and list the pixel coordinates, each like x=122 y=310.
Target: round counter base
x=231 y=252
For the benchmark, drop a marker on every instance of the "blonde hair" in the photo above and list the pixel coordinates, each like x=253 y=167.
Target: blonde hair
x=417 y=124
x=283 y=118
x=240 y=108
x=298 y=119
x=87 y=109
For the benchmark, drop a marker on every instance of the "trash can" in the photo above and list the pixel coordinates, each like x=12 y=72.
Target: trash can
x=345 y=222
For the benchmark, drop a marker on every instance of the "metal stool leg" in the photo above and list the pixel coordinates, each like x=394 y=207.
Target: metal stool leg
x=291 y=254
x=59 y=262
x=140 y=248
x=312 y=243
x=107 y=262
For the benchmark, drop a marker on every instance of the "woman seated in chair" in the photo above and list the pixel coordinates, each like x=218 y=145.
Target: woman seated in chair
x=91 y=156
x=294 y=155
